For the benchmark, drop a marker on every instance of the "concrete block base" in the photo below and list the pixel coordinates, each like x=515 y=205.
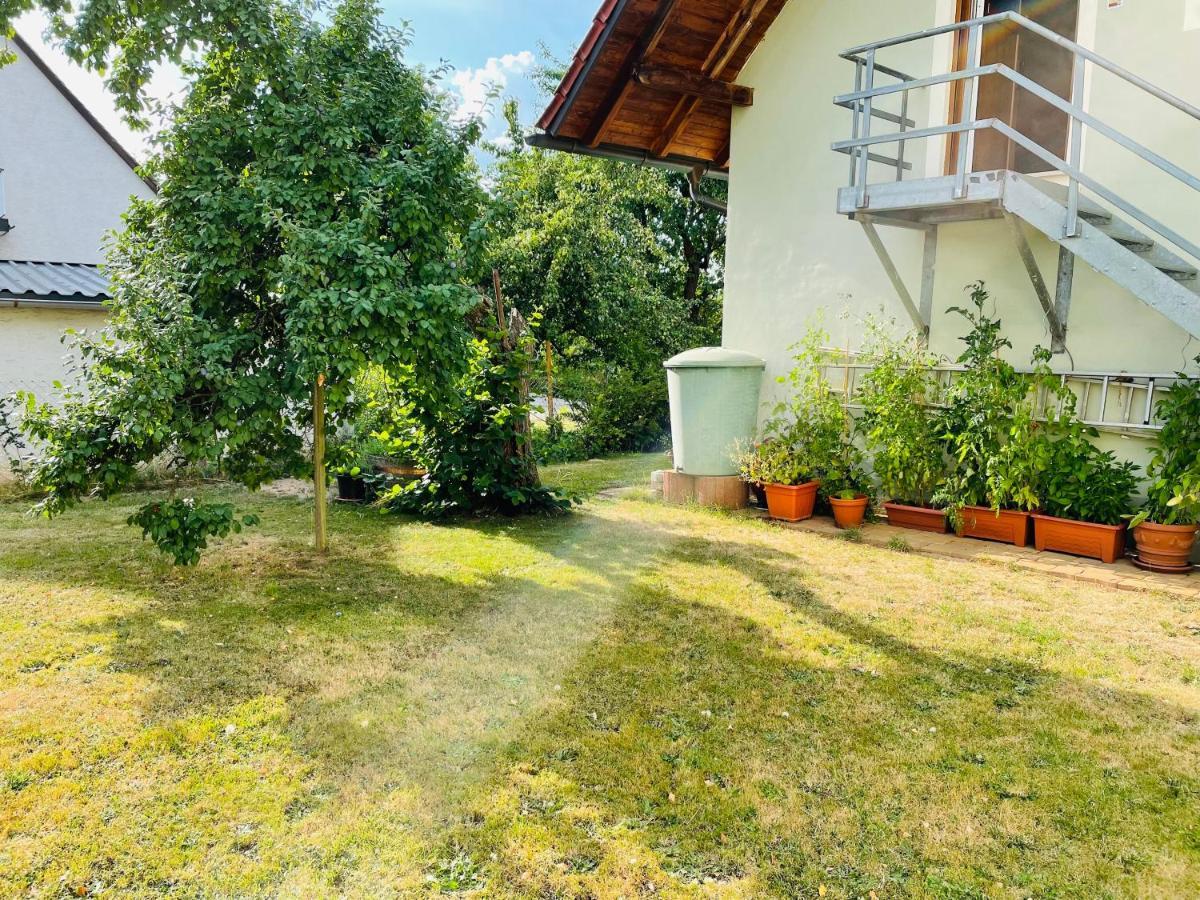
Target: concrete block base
x=725 y=491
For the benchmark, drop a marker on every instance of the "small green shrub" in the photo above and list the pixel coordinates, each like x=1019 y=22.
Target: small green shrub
x=1173 y=496
x=182 y=527
x=775 y=461
x=475 y=445
x=1086 y=483
x=845 y=475
x=557 y=444
x=617 y=409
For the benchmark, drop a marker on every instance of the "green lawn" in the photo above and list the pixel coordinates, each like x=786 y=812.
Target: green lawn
x=630 y=701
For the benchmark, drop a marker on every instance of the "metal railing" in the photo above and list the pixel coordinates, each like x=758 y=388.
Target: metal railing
x=862 y=102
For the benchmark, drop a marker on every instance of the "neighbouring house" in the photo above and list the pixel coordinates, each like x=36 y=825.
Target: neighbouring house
x=64 y=183
x=882 y=155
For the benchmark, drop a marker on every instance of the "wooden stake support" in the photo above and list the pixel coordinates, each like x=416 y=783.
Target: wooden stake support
x=320 y=526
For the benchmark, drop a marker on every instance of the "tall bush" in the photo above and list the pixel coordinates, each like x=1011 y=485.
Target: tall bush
x=477 y=446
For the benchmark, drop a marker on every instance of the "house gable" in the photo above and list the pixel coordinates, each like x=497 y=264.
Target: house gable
x=66 y=180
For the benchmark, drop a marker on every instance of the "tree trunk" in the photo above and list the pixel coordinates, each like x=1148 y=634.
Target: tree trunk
x=520 y=448
x=549 y=382
x=320 y=530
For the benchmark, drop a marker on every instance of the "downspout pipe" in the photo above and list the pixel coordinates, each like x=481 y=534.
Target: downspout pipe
x=693 y=193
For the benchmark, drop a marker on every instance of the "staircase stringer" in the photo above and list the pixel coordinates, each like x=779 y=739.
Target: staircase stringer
x=1108 y=257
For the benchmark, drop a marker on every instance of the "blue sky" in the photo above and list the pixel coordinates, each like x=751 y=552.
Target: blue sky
x=486 y=41
x=493 y=41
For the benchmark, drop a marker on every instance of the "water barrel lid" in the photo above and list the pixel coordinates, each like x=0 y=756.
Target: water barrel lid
x=714 y=358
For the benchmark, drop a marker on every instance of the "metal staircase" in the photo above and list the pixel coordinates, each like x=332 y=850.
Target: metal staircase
x=1135 y=250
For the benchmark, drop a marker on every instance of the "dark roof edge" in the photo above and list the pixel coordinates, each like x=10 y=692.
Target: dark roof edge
x=80 y=108
x=579 y=69
x=685 y=164
x=51 y=301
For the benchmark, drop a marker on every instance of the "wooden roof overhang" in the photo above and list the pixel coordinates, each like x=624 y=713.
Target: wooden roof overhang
x=654 y=81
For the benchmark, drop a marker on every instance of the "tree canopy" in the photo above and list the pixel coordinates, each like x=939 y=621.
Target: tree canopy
x=622 y=266
x=318 y=214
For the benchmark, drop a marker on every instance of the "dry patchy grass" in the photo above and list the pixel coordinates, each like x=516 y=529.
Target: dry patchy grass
x=631 y=701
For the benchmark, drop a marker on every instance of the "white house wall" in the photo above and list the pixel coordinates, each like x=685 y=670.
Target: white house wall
x=791 y=258
x=65 y=186
x=789 y=254
x=32 y=355
x=65 y=189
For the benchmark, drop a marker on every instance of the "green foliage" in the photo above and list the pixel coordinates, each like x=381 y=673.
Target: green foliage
x=182 y=527
x=1085 y=483
x=317 y=217
x=555 y=443
x=623 y=269
x=617 y=409
x=999 y=423
x=808 y=435
x=1016 y=440
x=845 y=475
x=979 y=407
x=475 y=443
x=1173 y=496
x=775 y=461
x=380 y=425
x=899 y=423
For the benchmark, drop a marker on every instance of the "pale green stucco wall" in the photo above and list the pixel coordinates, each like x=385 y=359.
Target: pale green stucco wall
x=790 y=256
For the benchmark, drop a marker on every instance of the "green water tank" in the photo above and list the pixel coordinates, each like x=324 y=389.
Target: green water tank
x=714 y=407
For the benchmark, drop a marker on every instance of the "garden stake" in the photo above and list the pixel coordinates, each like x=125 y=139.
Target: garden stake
x=321 y=538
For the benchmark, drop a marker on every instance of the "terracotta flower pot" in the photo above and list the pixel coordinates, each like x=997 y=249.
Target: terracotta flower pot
x=1165 y=548
x=792 y=502
x=1103 y=542
x=917 y=518
x=1008 y=526
x=849 y=513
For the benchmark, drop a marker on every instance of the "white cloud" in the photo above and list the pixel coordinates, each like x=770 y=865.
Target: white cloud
x=475 y=86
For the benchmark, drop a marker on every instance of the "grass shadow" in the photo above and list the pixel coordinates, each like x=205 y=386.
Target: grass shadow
x=739 y=726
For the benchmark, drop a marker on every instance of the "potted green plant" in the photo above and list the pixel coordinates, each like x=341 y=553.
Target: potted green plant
x=900 y=426
x=392 y=455
x=1086 y=498
x=1165 y=527
x=352 y=486
x=846 y=486
x=346 y=463
x=788 y=480
x=804 y=433
x=994 y=431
